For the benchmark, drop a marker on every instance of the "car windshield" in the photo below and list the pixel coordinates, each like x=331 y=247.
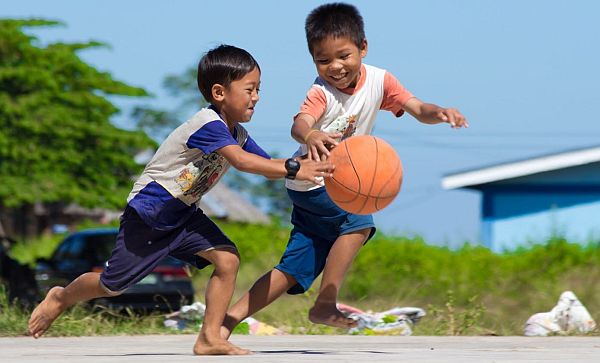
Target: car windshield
x=96 y=249
x=99 y=246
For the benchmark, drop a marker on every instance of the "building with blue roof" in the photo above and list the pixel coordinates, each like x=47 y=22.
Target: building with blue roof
x=529 y=201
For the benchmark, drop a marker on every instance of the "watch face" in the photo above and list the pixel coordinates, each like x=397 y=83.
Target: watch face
x=292 y=166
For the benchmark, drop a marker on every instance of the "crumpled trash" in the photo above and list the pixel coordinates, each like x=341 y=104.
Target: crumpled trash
x=259 y=328
x=568 y=316
x=188 y=314
x=395 y=321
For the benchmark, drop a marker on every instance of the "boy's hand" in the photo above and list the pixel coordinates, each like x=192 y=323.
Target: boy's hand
x=429 y=113
x=314 y=170
x=453 y=117
x=319 y=143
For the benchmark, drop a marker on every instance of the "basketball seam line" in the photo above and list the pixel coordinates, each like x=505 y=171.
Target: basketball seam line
x=374 y=172
x=386 y=183
x=359 y=181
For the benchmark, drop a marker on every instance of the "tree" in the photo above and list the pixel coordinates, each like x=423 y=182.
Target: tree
x=158 y=123
x=57 y=144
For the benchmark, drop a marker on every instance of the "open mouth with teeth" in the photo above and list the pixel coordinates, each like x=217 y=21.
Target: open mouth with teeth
x=339 y=77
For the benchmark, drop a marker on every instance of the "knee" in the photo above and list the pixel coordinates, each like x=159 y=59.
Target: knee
x=110 y=293
x=227 y=262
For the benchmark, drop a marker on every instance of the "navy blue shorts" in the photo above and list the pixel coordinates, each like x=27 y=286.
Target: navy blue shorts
x=139 y=248
x=318 y=222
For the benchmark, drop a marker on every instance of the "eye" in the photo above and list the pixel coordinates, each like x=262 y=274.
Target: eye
x=345 y=56
x=322 y=61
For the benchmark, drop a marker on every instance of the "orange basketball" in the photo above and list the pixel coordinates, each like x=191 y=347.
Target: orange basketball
x=367 y=175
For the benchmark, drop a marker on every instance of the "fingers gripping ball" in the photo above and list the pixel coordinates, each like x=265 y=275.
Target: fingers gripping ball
x=367 y=175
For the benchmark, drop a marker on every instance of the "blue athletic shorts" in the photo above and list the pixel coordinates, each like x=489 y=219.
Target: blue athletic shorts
x=139 y=248
x=317 y=222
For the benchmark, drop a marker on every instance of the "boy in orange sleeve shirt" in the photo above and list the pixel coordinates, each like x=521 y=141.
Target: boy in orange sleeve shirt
x=343 y=101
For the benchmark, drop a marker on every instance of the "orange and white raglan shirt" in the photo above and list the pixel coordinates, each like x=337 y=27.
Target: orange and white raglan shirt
x=351 y=111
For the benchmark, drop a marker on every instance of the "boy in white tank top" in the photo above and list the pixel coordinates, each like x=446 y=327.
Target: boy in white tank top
x=343 y=101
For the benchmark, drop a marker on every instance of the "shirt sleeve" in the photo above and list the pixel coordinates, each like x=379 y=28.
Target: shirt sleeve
x=314 y=104
x=211 y=137
x=395 y=95
x=252 y=147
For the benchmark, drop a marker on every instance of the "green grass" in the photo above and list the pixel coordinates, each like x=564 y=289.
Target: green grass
x=487 y=293
x=79 y=321
x=469 y=291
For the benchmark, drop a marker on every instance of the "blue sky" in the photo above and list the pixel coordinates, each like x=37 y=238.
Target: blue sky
x=525 y=73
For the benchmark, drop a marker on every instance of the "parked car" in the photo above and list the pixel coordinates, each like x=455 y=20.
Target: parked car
x=166 y=288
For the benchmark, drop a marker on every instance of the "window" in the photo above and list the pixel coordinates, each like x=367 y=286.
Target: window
x=99 y=247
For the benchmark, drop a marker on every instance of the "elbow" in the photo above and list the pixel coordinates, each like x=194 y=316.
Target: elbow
x=246 y=165
x=238 y=162
x=295 y=133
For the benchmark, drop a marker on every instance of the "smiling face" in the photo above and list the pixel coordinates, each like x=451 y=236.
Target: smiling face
x=338 y=60
x=236 y=101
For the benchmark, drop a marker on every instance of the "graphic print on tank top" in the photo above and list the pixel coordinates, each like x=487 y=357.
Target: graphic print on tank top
x=345 y=125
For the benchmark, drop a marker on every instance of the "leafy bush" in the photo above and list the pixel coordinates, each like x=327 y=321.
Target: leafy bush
x=465 y=291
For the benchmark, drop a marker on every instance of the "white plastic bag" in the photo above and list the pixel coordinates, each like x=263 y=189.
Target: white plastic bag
x=568 y=316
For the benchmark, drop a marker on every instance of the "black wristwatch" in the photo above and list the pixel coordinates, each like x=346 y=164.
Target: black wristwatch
x=292 y=166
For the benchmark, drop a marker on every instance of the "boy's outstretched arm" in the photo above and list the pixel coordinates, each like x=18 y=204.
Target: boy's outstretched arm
x=317 y=142
x=428 y=113
x=273 y=168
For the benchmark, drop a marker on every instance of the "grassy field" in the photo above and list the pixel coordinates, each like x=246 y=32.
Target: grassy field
x=469 y=291
x=465 y=291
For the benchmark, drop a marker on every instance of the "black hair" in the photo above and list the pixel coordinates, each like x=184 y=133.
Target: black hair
x=334 y=20
x=223 y=65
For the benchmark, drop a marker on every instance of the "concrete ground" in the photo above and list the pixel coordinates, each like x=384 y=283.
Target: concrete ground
x=297 y=348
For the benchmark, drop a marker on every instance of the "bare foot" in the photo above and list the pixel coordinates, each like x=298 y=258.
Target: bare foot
x=45 y=313
x=328 y=314
x=218 y=346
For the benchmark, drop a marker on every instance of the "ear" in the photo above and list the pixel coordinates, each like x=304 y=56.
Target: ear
x=364 y=48
x=218 y=92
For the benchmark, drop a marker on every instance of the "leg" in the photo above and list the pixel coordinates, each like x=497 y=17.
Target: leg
x=218 y=296
x=58 y=299
x=264 y=291
x=299 y=261
x=338 y=262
